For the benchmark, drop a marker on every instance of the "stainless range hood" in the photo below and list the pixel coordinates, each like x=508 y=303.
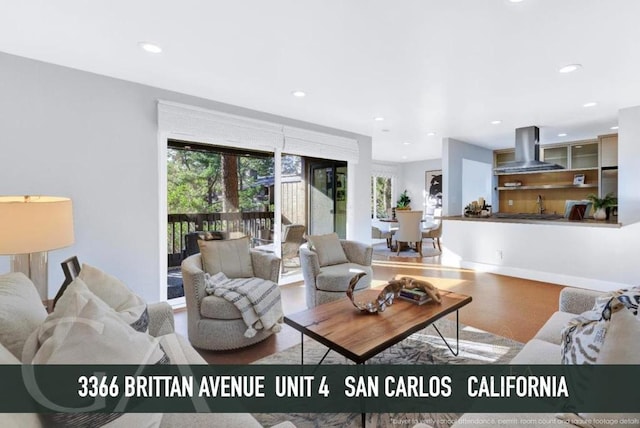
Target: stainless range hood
x=527 y=153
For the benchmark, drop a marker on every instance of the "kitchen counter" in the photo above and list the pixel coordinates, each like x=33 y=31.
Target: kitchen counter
x=527 y=218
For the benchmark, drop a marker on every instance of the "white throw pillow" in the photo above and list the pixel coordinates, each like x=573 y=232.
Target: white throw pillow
x=230 y=256
x=21 y=311
x=328 y=248
x=83 y=329
x=117 y=295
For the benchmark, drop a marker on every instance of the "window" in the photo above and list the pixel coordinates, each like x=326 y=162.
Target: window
x=381 y=191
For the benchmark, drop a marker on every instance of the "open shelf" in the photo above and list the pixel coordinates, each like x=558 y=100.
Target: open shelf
x=549 y=187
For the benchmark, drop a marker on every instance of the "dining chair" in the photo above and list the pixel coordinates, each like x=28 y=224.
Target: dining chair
x=434 y=234
x=409 y=229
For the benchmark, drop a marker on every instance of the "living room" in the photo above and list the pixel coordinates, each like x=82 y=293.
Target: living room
x=98 y=135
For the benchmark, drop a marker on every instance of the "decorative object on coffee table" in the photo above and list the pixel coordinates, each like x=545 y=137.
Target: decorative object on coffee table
x=384 y=299
x=391 y=291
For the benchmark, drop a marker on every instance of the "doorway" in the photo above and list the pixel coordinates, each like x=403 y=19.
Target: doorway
x=327 y=197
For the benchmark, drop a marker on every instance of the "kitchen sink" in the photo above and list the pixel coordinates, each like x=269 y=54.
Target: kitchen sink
x=529 y=216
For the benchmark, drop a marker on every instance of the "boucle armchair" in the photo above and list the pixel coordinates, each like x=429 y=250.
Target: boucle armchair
x=330 y=264
x=213 y=322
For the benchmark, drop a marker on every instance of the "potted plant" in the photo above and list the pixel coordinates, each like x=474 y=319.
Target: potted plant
x=404 y=201
x=600 y=205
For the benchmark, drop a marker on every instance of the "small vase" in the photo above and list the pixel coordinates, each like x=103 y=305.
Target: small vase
x=600 y=214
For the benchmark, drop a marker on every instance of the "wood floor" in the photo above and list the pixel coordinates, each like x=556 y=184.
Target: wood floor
x=511 y=307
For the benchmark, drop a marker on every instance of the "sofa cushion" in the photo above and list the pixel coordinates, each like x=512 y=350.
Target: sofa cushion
x=538 y=351
x=336 y=277
x=328 y=249
x=131 y=308
x=83 y=329
x=551 y=331
x=21 y=311
x=219 y=308
x=231 y=257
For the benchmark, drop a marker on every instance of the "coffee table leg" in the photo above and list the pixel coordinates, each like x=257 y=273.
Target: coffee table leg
x=301 y=349
x=457 y=351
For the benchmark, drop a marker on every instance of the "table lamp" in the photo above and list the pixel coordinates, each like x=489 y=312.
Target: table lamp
x=29 y=227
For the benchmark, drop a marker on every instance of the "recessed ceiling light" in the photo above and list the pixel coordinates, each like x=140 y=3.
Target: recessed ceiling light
x=404 y=157
x=378 y=118
x=298 y=93
x=614 y=127
x=150 y=47
x=515 y=1
x=591 y=104
x=562 y=134
x=496 y=122
x=430 y=134
x=406 y=143
x=570 y=68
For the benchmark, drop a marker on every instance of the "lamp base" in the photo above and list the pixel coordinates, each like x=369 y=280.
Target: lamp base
x=34 y=266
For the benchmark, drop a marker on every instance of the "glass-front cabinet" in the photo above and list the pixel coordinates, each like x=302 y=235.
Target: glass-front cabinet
x=584 y=155
x=555 y=154
x=578 y=155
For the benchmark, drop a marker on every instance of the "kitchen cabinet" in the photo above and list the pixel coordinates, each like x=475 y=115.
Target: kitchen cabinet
x=575 y=155
x=608 y=150
x=555 y=154
x=554 y=186
x=502 y=157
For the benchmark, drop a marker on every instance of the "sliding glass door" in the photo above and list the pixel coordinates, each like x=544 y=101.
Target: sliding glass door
x=328 y=197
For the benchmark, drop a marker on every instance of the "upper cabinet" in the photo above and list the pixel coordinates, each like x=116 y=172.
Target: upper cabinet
x=608 y=150
x=576 y=155
x=555 y=154
x=502 y=157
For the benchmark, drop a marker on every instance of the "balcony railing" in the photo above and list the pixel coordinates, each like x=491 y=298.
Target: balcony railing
x=252 y=224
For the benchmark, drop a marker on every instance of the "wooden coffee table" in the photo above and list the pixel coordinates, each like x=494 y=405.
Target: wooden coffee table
x=360 y=336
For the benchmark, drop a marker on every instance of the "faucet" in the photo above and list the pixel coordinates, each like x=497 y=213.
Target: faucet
x=540 y=204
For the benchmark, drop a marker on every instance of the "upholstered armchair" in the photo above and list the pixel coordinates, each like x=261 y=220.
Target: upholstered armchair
x=329 y=263
x=213 y=322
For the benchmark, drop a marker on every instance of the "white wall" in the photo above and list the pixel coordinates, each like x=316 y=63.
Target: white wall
x=629 y=165
x=94 y=139
x=601 y=258
x=453 y=153
x=476 y=181
x=413 y=179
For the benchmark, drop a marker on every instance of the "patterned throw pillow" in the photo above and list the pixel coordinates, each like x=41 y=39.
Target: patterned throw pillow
x=605 y=334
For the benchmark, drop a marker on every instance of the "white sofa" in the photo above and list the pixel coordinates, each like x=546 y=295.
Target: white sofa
x=544 y=348
x=18 y=314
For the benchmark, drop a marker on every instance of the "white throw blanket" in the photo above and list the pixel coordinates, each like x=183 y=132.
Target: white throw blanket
x=257 y=299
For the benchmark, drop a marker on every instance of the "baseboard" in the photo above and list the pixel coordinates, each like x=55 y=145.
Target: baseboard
x=554 y=278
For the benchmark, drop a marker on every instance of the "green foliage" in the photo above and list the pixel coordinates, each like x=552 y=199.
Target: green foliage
x=404 y=200
x=607 y=201
x=380 y=196
x=194 y=180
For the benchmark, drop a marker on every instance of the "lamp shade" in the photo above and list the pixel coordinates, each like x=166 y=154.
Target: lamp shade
x=30 y=224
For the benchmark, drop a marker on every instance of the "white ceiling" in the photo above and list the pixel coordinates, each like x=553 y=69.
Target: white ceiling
x=443 y=66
